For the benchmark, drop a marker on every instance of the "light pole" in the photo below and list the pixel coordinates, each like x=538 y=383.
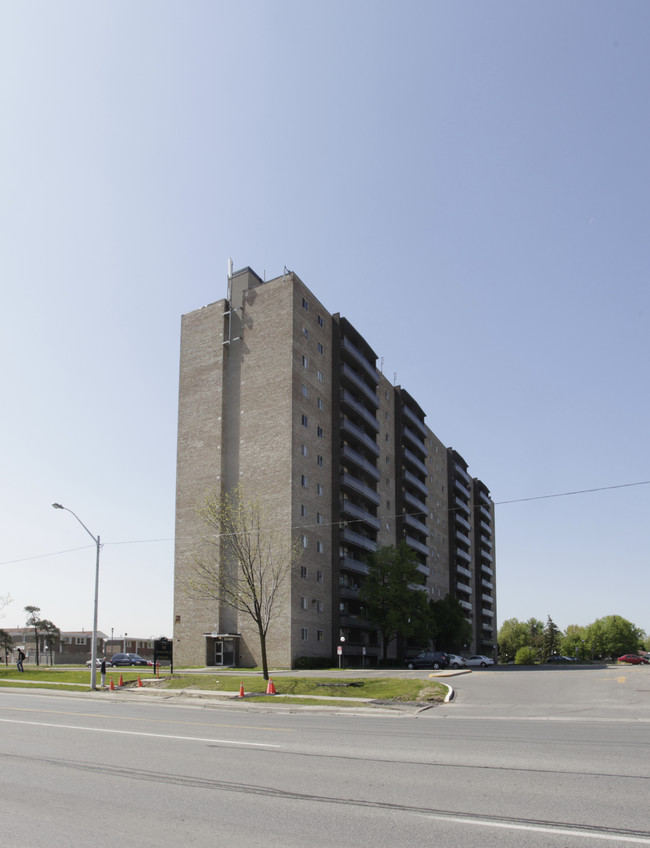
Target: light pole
x=93 y=653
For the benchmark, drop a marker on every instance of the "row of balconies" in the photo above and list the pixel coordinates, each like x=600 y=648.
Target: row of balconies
x=350 y=348
x=359 y=383
x=348 y=427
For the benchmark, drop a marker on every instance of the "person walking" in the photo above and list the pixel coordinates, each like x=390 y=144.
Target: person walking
x=19 y=662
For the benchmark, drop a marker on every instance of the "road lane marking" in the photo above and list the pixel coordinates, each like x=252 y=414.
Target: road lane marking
x=148 y=720
x=549 y=829
x=139 y=733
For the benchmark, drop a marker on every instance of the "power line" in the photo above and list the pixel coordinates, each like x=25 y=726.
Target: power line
x=354 y=520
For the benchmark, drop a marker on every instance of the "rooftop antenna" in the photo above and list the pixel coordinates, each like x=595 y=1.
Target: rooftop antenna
x=229 y=279
x=394 y=378
x=381 y=364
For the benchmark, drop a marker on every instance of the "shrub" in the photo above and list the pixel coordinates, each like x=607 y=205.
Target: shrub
x=525 y=656
x=313 y=662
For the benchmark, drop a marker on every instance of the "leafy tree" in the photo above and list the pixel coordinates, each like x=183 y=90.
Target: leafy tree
x=450 y=627
x=51 y=634
x=536 y=631
x=33 y=621
x=513 y=635
x=574 y=642
x=550 y=639
x=392 y=603
x=6 y=643
x=250 y=564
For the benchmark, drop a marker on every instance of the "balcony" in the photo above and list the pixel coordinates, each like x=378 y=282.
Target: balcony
x=416 y=524
x=462 y=506
x=352 y=403
x=352 y=538
x=360 y=384
x=423 y=569
x=417 y=546
x=356 y=565
x=465 y=540
x=486 y=555
x=360 y=359
x=415 y=440
x=411 y=500
x=354 y=511
x=458 y=468
x=361 y=462
x=487 y=613
x=487 y=584
x=463 y=522
x=487 y=598
x=415 y=481
x=360 y=487
x=486 y=527
x=462 y=570
x=467 y=590
x=350 y=427
x=463 y=555
x=486 y=569
x=462 y=488
x=485 y=513
x=412 y=458
x=486 y=542
x=412 y=417
x=465 y=605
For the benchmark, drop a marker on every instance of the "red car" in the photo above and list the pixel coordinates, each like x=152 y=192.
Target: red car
x=631 y=658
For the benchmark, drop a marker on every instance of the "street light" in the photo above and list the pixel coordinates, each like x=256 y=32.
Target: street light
x=93 y=653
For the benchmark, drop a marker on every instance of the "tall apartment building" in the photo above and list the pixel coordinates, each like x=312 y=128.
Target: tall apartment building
x=284 y=399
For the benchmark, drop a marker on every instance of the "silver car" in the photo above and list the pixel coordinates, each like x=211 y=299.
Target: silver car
x=457 y=662
x=480 y=660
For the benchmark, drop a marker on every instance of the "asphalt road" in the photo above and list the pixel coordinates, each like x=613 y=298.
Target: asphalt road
x=553 y=758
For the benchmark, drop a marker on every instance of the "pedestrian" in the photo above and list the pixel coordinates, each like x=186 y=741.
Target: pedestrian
x=21 y=657
x=102 y=671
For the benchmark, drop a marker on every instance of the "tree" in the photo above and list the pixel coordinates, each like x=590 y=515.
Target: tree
x=32 y=621
x=51 y=633
x=551 y=638
x=450 y=627
x=4 y=600
x=513 y=635
x=392 y=603
x=250 y=563
x=573 y=643
x=6 y=643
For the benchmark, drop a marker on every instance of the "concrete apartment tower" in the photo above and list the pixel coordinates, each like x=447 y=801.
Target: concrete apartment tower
x=284 y=399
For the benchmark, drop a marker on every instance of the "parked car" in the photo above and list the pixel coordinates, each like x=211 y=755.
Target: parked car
x=480 y=660
x=558 y=658
x=98 y=662
x=633 y=659
x=457 y=662
x=129 y=659
x=429 y=659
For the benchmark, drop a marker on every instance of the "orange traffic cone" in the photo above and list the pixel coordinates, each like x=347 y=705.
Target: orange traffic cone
x=112 y=685
x=140 y=683
x=241 y=690
x=121 y=683
x=270 y=689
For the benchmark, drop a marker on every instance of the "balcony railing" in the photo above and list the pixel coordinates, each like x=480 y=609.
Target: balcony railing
x=463 y=538
x=412 y=458
x=486 y=569
x=462 y=570
x=360 y=487
x=467 y=590
x=350 y=427
x=460 y=470
x=412 y=417
x=411 y=500
x=417 y=546
x=352 y=538
x=356 y=565
x=369 y=368
x=463 y=521
x=462 y=488
x=415 y=440
x=360 y=384
x=360 y=409
x=463 y=555
x=348 y=508
x=415 y=481
x=361 y=462
x=486 y=555
x=416 y=524
x=462 y=505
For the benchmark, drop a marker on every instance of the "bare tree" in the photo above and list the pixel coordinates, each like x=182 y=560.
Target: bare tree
x=250 y=563
x=33 y=621
x=4 y=600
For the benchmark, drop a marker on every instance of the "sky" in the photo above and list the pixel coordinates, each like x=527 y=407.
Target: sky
x=467 y=183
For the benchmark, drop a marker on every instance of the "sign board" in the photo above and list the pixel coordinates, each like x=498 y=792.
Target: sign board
x=339 y=649
x=163 y=649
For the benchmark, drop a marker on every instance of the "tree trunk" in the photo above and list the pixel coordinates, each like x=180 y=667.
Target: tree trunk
x=265 y=665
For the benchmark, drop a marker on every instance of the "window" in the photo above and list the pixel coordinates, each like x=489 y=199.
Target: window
x=319 y=576
x=303 y=450
x=305 y=391
x=305 y=304
x=304 y=544
x=320 y=635
x=303 y=603
x=319 y=517
x=305 y=362
x=320 y=348
x=79 y=640
x=320 y=549
x=319 y=432
x=303 y=481
x=320 y=403
x=321 y=323
x=303 y=511
x=305 y=332
x=305 y=421
x=303 y=569
x=320 y=376
x=319 y=460
x=319 y=489
x=319 y=606
x=304 y=634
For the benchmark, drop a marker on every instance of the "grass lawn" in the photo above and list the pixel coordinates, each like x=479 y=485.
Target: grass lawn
x=69 y=678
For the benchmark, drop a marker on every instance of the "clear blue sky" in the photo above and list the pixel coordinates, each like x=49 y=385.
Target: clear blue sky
x=468 y=183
